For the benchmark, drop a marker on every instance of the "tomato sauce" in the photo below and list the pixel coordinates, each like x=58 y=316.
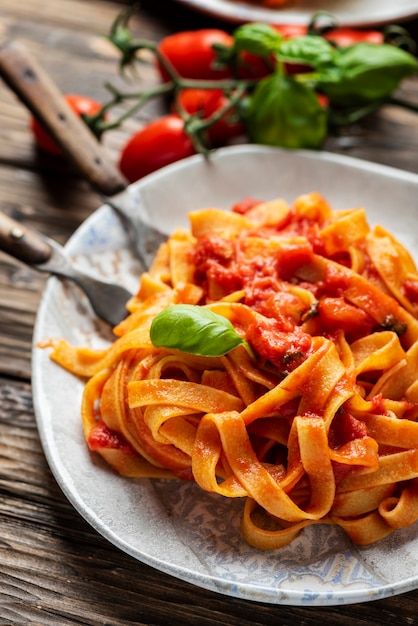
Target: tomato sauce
x=292 y=258
x=102 y=437
x=223 y=266
x=410 y=288
x=285 y=349
x=246 y=204
x=344 y=428
x=337 y=314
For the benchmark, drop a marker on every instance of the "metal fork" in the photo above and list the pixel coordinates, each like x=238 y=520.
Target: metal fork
x=29 y=81
x=35 y=88
x=107 y=299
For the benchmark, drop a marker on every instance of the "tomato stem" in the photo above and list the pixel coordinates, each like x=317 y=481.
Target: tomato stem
x=129 y=47
x=141 y=99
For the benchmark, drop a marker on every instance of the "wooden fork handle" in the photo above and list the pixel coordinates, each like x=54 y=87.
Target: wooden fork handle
x=35 y=88
x=22 y=243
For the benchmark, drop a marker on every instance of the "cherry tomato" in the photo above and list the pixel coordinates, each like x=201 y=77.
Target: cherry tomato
x=159 y=143
x=341 y=37
x=291 y=30
x=191 y=53
x=251 y=66
x=323 y=100
x=79 y=104
x=344 y=37
x=206 y=102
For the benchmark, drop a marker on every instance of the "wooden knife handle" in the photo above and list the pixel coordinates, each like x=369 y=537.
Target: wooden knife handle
x=35 y=88
x=21 y=242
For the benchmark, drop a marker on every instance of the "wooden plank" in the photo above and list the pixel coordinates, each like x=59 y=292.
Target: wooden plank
x=42 y=191
x=54 y=568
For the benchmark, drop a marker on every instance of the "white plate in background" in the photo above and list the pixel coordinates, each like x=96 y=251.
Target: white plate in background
x=348 y=12
x=172 y=526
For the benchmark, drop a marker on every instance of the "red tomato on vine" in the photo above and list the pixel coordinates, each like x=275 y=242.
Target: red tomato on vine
x=159 y=143
x=206 y=102
x=82 y=105
x=342 y=37
x=192 y=55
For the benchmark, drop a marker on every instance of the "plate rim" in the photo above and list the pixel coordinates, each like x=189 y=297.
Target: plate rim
x=241 y=12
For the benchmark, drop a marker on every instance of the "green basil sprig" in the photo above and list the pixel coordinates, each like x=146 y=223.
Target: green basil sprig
x=195 y=330
x=257 y=38
x=365 y=73
x=284 y=112
x=281 y=109
x=310 y=50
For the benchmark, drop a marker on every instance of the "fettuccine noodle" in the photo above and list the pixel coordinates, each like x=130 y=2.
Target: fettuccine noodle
x=317 y=422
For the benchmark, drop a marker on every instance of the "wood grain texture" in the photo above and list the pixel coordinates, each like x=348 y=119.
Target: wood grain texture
x=45 y=193
x=55 y=570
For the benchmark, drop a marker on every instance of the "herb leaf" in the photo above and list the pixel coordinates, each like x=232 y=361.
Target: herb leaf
x=312 y=50
x=284 y=112
x=257 y=38
x=195 y=330
x=366 y=73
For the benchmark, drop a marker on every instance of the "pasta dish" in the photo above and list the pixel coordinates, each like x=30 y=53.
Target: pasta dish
x=270 y=354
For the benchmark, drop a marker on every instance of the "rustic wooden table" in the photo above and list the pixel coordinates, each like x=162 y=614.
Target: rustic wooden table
x=54 y=569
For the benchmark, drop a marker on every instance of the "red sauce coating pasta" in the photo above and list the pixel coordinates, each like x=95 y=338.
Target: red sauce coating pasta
x=317 y=422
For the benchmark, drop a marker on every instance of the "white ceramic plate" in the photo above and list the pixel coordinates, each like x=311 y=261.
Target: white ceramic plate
x=176 y=527
x=347 y=12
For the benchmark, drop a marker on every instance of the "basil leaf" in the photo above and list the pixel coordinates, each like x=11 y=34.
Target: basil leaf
x=365 y=73
x=310 y=50
x=283 y=112
x=195 y=330
x=259 y=39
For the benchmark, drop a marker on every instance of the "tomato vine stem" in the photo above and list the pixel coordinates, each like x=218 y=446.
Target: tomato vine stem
x=353 y=82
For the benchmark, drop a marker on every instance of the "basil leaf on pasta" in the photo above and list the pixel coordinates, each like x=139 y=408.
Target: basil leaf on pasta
x=195 y=330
